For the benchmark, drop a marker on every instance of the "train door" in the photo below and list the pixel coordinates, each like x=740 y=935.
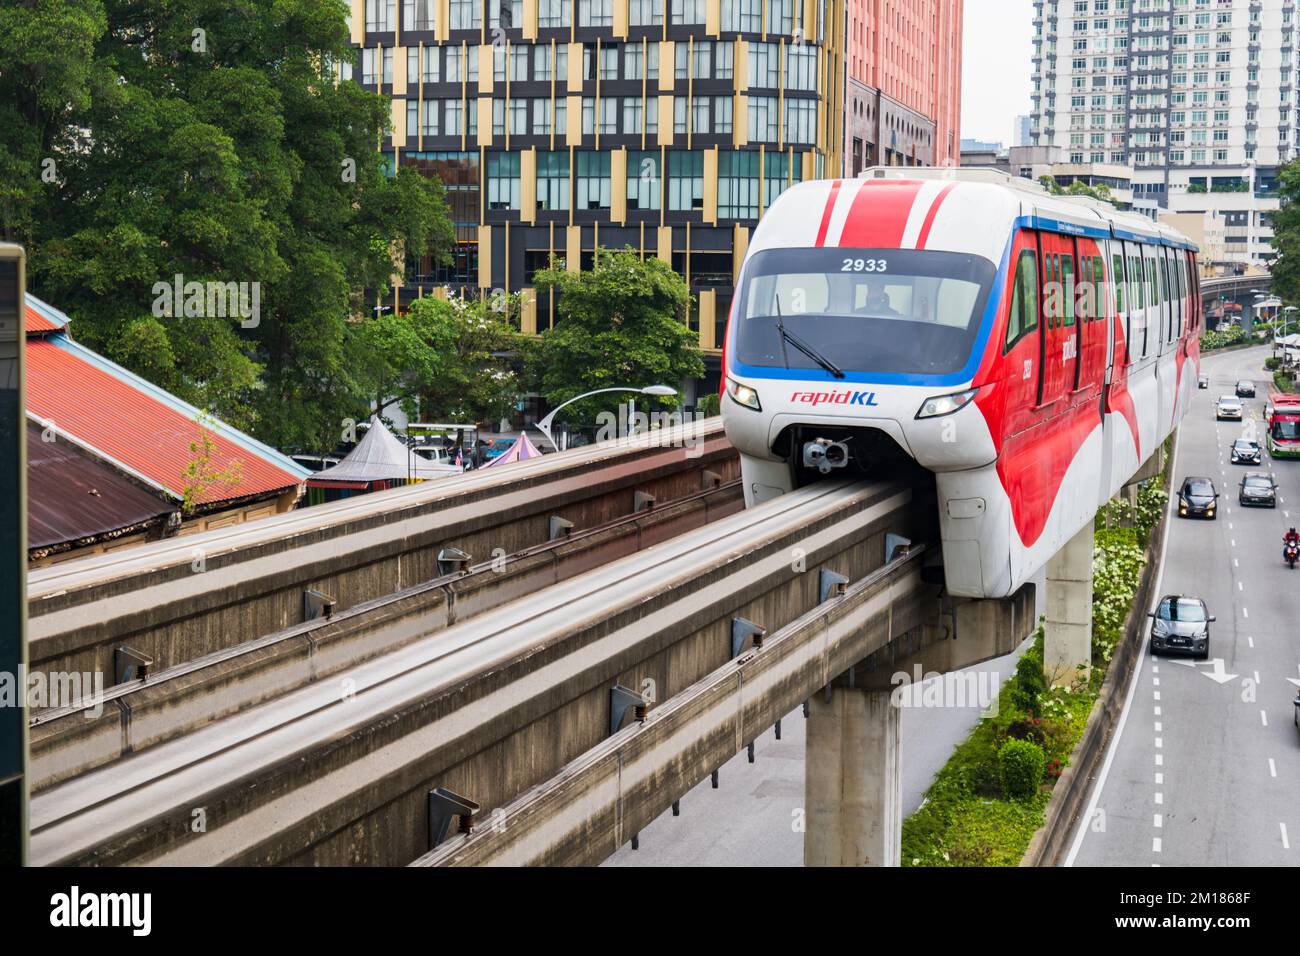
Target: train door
x=1022 y=346
x=1057 y=330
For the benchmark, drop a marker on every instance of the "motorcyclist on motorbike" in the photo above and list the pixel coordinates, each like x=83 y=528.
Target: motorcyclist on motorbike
x=1292 y=537
x=1291 y=546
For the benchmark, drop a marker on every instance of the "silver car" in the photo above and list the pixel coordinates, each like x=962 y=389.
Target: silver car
x=1227 y=408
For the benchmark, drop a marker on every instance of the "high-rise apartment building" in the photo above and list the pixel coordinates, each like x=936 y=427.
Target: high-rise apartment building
x=1197 y=96
x=561 y=126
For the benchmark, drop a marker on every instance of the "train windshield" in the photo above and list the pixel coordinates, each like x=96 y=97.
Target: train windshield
x=867 y=310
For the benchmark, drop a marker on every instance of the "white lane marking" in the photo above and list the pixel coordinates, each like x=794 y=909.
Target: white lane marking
x=1263 y=717
x=1159 y=727
x=1245 y=612
x=1160 y=797
x=1159 y=820
x=1157 y=711
x=1155 y=844
x=1155 y=681
x=1160 y=743
x=1160 y=778
x=1100 y=784
x=1257 y=678
x=1286 y=844
x=1240 y=586
x=1155 y=668
x=1250 y=641
x=1157 y=694
x=1272 y=768
x=1236 y=563
x=1233 y=542
x=1230 y=526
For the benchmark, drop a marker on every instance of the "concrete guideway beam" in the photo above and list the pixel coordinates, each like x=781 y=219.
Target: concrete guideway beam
x=594 y=804
x=1067 y=632
x=178 y=599
x=487 y=709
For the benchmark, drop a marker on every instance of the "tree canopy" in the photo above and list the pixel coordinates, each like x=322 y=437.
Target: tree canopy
x=146 y=139
x=1286 y=235
x=621 y=324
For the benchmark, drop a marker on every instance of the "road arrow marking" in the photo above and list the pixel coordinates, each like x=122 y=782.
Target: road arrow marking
x=1218 y=676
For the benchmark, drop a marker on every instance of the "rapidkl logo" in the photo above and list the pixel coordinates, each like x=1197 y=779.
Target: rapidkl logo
x=835 y=398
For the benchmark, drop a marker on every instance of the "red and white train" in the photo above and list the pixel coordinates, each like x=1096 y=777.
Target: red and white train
x=1030 y=351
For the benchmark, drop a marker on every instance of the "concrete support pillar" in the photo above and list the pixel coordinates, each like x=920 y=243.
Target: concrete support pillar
x=1067 y=640
x=853 y=780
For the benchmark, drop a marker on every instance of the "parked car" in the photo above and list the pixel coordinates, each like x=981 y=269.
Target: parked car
x=1197 y=498
x=1246 y=452
x=1181 y=624
x=1203 y=381
x=1245 y=389
x=1258 y=489
x=1227 y=408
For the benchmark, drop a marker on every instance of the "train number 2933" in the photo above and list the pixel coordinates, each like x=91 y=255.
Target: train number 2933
x=865 y=265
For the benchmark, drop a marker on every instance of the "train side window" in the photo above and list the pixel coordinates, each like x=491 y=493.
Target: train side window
x=1117 y=276
x=1067 y=288
x=1099 y=303
x=1023 y=318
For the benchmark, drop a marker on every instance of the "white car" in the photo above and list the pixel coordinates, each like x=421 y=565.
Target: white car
x=1227 y=408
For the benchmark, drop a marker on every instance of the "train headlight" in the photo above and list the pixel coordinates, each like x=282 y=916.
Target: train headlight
x=942 y=405
x=743 y=395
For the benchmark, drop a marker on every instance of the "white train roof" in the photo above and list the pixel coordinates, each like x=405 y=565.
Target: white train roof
x=945 y=209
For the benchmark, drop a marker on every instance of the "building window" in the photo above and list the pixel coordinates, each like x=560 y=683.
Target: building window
x=503 y=181
x=498 y=117
x=742 y=16
x=643 y=180
x=595 y=13
x=455 y=118
x=505 y=14
x=801 y=67
x=519 y=62
x=645 y=13
x=688 y=11
x=381 y=16
x=542 y=60
x=542 y=117
x=466 y=15
x=518 y=116
x=800 y=121
x=588 y=115
x=764 y=71
x=776 y=176
x=412 y=118
x=553 y=180
x=609 y=114
x=738 y=185
x=593 y=181
x=685 y=181
x=780 y=16
x=372 y=63
x=632 y=115
x=553 y=13
x=762 y=119
x=419 y=14
x=429 y=111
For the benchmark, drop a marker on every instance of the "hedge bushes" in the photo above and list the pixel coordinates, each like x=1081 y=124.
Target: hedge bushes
x=1020 y=768
x=988 y=799
x=1222 y=338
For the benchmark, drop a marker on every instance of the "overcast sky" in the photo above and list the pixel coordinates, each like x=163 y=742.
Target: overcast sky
x=995 y=79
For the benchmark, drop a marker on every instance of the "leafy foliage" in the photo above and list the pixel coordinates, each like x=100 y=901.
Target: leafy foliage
x=1020 y=768
x=1077 y=188
x=622 y=324
x=1222 y=338
x=1286 y=235
x=207 y=139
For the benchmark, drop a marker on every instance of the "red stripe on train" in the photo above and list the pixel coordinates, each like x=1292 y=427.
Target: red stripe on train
x=878 y=216
x=826 y=213
x=929 y=217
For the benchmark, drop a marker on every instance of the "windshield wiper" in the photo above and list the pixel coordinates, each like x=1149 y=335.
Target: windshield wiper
x=802 y=346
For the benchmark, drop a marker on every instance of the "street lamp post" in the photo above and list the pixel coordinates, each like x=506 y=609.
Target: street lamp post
x=544 y=426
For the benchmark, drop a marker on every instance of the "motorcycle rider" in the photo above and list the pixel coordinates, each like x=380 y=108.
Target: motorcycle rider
x=1290 y=540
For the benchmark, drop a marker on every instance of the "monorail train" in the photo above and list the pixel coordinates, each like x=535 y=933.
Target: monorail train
x=1029 y=351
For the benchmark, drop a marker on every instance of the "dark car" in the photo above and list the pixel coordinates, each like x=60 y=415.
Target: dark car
x=1245 y=389
x=1181 y=625
x=1246 y=452
x=1197 y=498
x=1258 y=489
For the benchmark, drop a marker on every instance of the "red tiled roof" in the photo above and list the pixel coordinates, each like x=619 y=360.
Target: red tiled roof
x=135 y=429
x=35 y=322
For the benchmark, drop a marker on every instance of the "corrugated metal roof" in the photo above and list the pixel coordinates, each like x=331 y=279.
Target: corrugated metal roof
x=71 y=498
x=127 y=420
x=37 y=324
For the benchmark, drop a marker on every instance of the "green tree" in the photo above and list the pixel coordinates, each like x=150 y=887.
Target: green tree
x=1286 y=235
x=209 y=140
x=622 y=323
x=1077 y=188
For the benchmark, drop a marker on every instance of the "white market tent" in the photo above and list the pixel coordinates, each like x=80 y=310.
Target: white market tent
x=380 y=456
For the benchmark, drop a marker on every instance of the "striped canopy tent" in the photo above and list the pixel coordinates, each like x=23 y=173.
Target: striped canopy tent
x=521 y=449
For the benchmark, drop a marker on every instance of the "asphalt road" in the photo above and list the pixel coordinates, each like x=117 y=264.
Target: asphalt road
x=1204 y=769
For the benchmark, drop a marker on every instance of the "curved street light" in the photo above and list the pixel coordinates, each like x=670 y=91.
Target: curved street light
x=544 y=426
